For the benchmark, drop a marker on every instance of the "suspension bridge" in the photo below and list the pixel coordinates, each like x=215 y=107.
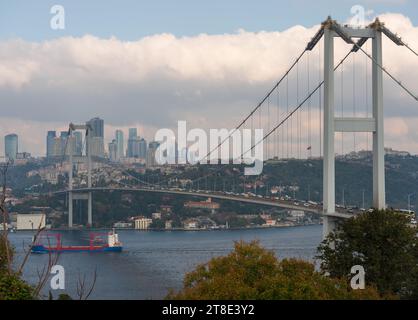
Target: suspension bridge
x=302 y=116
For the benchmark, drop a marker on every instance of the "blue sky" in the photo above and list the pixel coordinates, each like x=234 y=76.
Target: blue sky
x=131 y=20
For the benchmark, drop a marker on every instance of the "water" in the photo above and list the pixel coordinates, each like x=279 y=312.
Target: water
x=154 y=262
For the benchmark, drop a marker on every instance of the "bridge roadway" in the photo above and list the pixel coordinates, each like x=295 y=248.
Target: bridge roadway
x=222 y=196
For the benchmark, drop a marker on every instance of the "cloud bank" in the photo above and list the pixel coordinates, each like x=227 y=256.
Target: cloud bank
x=208 y=80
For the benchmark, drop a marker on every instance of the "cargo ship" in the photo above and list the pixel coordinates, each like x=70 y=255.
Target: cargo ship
x=113 y=244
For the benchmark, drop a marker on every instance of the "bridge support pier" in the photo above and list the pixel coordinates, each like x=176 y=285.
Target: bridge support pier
x=329 y=134
x=89 y=210
x=379 y=197
x=374 y=124
x=70 y=210
x=87 y=195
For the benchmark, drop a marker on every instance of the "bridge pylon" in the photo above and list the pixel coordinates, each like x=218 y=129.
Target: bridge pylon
x=79 y=195
x=334 y=124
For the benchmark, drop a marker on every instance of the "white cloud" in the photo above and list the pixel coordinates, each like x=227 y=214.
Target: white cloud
x=209 y=80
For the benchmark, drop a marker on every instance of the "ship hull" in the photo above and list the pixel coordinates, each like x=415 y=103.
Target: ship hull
x=40 y=249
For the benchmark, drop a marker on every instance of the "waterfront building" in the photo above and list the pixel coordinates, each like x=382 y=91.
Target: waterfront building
x=142 y=223
x=191 y=224
x=31 y=221
x=156 y=215
x=122 y=225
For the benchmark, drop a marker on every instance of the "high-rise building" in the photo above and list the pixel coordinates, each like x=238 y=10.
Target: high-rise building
x=133 y=144
x=113 y=151
x=142 y=149
x=57 y=147
x=151 y=154
x=133 y=147
x=96 y=146
x=11 y=146
x=64 y=142
x=133 y=133
x=50 y=143
x=78 y=147
x=95 y=140
x=97 y=127
x=119 y=143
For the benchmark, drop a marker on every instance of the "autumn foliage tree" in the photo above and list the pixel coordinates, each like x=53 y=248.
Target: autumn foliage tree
x=252 y=272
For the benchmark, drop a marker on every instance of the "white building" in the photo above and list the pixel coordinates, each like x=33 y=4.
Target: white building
x=122 y=225
x=156 y=215
x=297 y=213
x=30 y=221
x=142 y=223
x=191 y=224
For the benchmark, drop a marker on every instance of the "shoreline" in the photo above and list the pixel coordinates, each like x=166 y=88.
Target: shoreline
x=175 y=229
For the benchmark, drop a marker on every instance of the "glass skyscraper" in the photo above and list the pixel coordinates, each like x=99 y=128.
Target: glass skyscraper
x=50 y=140
x=96 y=137
x=119 y=143
x=63 y=140
x=133 y=144
x=142 y=148
x=11 y=146
x=133 y=133
x=78 y=148
x=97 y=126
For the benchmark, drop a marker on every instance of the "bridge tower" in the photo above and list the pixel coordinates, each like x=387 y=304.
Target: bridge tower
x=79 y=159
x=332 y=124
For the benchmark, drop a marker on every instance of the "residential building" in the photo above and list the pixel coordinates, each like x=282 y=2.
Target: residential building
x=191 y=224
x=168 y=224
x=208 y=204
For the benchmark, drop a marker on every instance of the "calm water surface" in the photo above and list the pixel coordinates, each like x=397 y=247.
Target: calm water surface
x=154 y=262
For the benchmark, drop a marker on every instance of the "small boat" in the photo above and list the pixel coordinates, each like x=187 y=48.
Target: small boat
x=113 y=244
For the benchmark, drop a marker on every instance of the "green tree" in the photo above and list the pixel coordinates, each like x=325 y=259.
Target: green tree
x=252 y=272
x=12 y=287
x=384 y=243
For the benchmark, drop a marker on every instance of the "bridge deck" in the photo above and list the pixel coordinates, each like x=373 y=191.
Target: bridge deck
x=253 y=200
